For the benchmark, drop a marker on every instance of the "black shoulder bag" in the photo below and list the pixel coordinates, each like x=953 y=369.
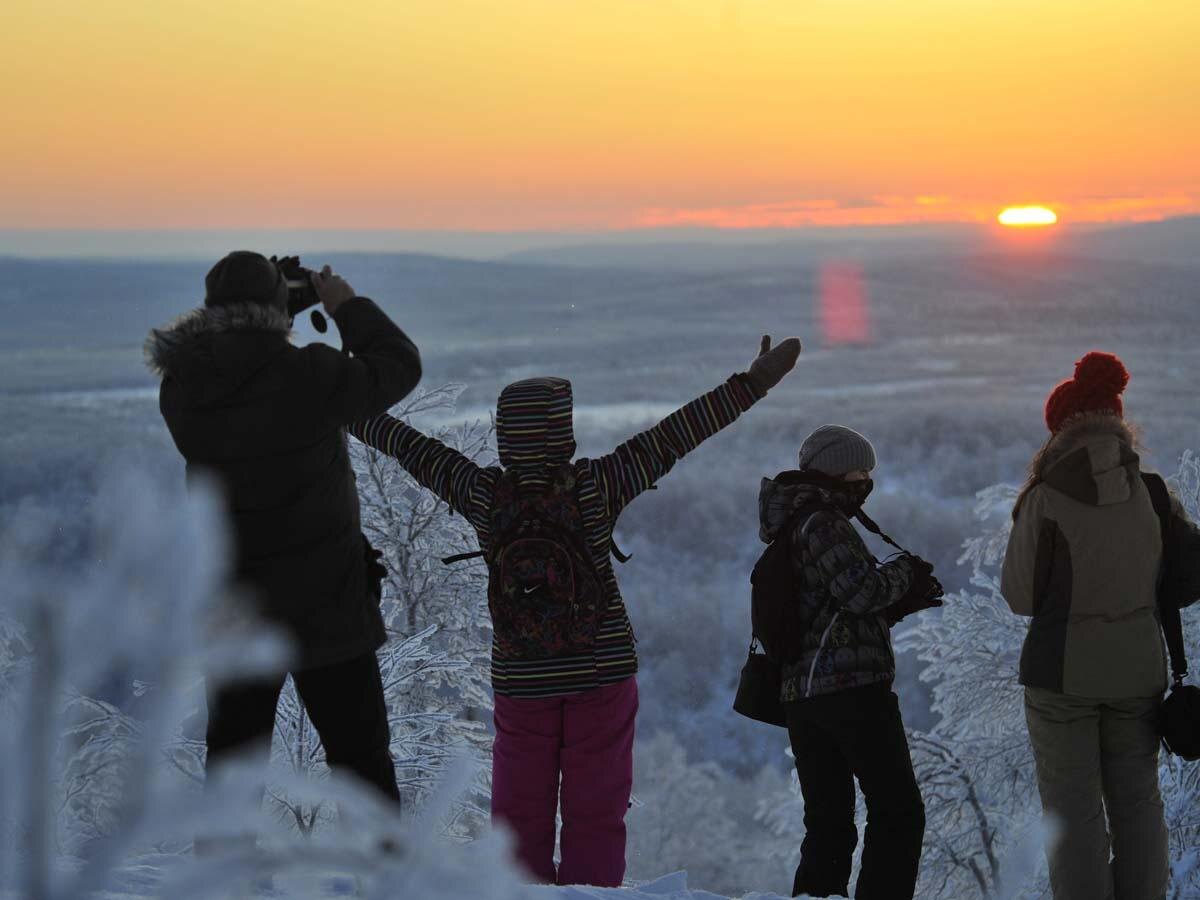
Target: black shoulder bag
x=759 y=688
x=772 y=587
x=1179 y=721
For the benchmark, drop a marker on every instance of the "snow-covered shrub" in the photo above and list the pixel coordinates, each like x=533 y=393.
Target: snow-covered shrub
x=92 y=799
x=699 y=817
x=79 y=778
x=443 y=713
x=1180 y=780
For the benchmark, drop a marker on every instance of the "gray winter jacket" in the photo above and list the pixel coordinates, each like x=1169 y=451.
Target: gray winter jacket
x=1083 y=560
x=841 y=639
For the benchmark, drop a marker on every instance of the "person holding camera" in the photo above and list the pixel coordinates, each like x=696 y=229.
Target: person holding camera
x=835 y=648
x=265 y=420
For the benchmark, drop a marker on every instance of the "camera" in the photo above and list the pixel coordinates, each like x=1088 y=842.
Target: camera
x=936 y=591
x=301 y=293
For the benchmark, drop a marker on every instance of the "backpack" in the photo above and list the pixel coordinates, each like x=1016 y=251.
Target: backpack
x=775 y=608
x=1179 y=718
x=545 y=594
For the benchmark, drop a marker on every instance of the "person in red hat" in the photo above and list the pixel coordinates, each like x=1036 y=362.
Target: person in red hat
x=1083 y=562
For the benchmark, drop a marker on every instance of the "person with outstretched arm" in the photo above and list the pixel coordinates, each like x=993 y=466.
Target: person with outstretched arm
x=563 y=659
x=265 y=421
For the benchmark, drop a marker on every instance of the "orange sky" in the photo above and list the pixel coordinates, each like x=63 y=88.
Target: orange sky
x=586 y=114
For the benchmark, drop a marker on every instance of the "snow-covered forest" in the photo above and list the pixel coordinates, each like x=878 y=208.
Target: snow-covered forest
x=96 y=797
x=113 y=576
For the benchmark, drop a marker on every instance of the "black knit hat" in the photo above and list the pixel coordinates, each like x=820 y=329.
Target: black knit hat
x=244 y=276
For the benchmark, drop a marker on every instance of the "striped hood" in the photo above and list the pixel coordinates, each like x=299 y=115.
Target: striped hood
x=534 y=427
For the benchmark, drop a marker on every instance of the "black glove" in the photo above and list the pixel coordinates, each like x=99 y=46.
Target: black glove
x=924 y=592
x=772 y=364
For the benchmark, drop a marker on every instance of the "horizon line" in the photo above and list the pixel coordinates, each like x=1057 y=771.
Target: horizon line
x=572 y=231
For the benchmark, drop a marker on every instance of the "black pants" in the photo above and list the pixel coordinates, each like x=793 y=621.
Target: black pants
x=836 y=738
x=346 y=705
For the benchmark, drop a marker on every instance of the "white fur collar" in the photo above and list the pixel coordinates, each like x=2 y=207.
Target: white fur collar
x=163 y=344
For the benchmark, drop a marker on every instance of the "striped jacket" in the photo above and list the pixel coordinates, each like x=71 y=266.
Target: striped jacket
x=533 y=433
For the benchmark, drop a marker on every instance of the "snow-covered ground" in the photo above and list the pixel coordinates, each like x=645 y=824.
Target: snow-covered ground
x=669 y=887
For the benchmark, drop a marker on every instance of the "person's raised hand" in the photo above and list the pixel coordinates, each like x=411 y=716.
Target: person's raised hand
x=772 y=363
x=333 y=290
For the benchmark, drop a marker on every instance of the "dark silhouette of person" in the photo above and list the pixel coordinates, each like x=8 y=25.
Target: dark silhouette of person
x=265 y=420
x=843 y=717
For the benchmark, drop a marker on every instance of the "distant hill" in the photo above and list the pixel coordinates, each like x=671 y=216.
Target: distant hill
x=690 y=250
x=714 y=250
x=1174 y=241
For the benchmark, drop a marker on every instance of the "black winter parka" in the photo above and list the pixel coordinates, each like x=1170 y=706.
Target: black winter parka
x=264 y=420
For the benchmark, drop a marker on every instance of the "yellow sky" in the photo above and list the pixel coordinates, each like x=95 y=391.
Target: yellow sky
x=521 y=114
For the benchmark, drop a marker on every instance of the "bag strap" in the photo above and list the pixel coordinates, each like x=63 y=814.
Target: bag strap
x=804 y=511
x=1169 y=616
x=866 y=521
x=869 y=524
x=460 y=557
x=618 y=554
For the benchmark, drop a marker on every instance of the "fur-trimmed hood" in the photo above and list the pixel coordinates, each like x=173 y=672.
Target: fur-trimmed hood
x=164 y=346
x=1092 y=459
x=213 y=350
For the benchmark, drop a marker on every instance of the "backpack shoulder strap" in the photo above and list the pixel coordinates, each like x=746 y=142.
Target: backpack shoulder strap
x=802 y=515
x=581 y=471
x=460 y=557
x=1169 y=616
x=507 y=483
x=1160 y=497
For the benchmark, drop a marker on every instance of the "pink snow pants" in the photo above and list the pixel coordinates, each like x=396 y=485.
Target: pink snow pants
x=586 y=738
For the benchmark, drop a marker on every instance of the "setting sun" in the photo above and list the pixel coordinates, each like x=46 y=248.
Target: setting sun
x=1027 y=216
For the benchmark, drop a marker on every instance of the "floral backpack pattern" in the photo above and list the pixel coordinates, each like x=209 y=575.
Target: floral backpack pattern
x=545 y=595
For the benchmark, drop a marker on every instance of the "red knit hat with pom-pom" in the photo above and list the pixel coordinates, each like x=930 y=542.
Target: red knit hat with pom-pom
x=1099 y=381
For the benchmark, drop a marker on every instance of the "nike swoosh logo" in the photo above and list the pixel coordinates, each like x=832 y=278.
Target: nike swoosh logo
x=529 y=590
